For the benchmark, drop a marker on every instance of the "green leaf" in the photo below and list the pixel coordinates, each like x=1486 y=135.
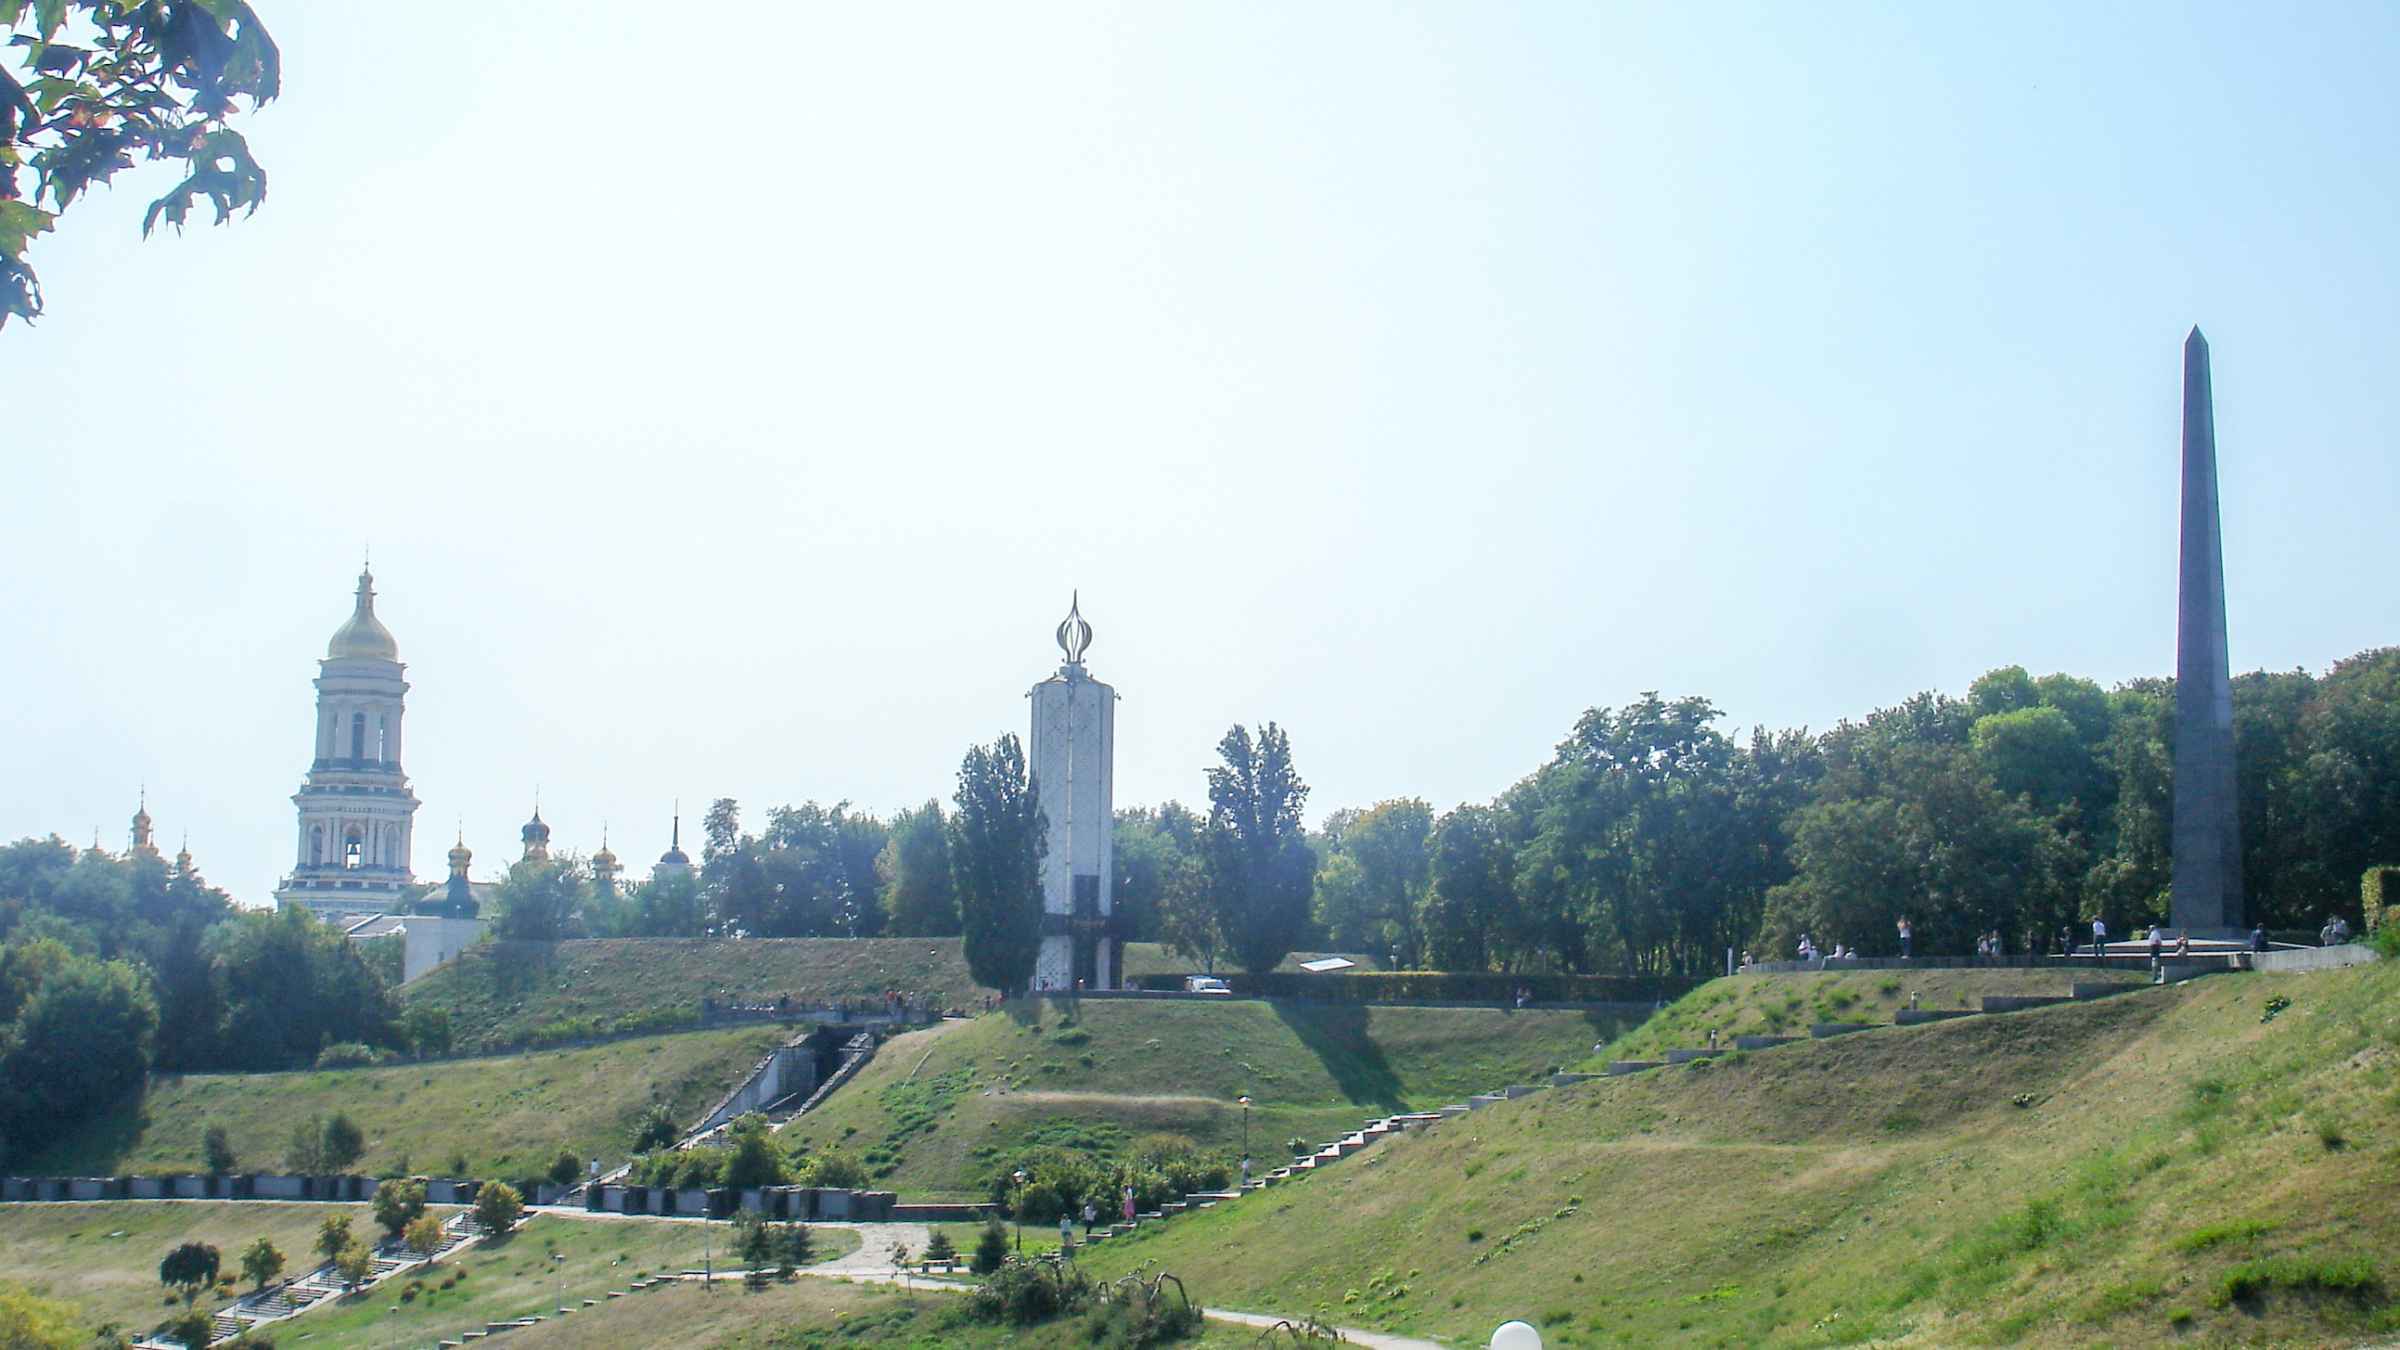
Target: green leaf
x=48 y=17
x=20 y=222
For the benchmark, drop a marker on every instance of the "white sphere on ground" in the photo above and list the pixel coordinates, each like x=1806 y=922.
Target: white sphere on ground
x=1516 y=1336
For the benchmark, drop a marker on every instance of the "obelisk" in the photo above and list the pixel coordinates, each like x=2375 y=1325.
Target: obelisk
x=1073 y=753
x=2207 y=895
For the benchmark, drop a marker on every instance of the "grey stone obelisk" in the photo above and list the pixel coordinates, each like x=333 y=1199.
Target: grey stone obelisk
x=2207 y=895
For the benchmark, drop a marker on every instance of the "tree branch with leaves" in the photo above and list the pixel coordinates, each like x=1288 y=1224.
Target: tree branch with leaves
x=104 y=84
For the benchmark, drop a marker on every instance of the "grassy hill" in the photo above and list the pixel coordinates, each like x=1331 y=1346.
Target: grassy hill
x=518 y=993
x=507 y=1115
x=103 y=1258
x=2165 y=1166
x=937 y=1108
x=1786 y=1005
x=1157 y=958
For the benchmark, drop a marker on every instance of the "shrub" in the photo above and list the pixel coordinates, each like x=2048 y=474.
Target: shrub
x=498 y=1206
x=216 y=1151
x=1025 y=1292
x=261 y=1262
x=344 y=1142
x=193 y=1329
x=423 y=1235
x=656 y=1129
x=836 y=1170
x=2379 y=895
x=940 y=1248
x=397 y=1204
x=354 y=1263
x=333 y=1235
x=191 y=1268
x=991 y=1249
x=348 y=1055
x=565 y=1168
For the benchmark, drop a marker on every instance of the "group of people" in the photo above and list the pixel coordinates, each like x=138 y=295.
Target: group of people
x=1810 y=952
x=2335 y=932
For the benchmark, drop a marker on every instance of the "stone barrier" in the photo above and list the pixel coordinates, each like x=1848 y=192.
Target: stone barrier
x=1618 y=1068
x=1827 y=1030
x=1567 y=1080
x=2310 y=958
x=1763 y=1042
x=1917 y=1017
x=2007 y=1003
x=1687 y=1056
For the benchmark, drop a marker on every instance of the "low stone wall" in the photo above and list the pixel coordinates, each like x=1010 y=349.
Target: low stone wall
x=1763 y=1042
x=2006 y=1003
x=2310 y=958
x=1910 y=1017
x=1824 y=1030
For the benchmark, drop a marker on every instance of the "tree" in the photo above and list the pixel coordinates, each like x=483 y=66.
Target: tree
x=191 y=1268
x=333 y=1235
x=30 y=1322
x=799 y=1246
x=541 y=900
x=423 y=1235
x=998 y=838
x=991 y=1249
x=1470 y=878
x=754 y=1156
x=262 y=1261
x=344 y=1142
x=108 y=82
x=191 y=1328
x=565 y=1168
x=1254 y=851
x=498 y=1207
x=1380 y=871
x=918 y=893
x=216 y=1152
x=354 y=1264
x=397 y=1204
x=81 y=1041
x=755 y=1239
x=939 y=1247
x=1152 y=854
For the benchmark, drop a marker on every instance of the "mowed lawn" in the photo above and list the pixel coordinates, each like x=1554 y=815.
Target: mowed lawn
x=103 y=1257
x=938 y=1110
x=808 y=1313
x=551 y=1261
x=506 y=1116
x=1786 y=1005
x=514 y=993
x=2190 y=1165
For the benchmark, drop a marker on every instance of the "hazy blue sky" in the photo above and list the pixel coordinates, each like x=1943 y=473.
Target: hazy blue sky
x=731 y=408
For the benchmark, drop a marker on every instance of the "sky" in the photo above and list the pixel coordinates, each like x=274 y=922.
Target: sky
x=731 y=410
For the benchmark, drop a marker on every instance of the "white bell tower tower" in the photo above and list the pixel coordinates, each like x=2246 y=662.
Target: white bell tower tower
x=356 y=810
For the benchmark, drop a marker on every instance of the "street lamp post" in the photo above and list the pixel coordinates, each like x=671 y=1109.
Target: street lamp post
x=1020 y=1208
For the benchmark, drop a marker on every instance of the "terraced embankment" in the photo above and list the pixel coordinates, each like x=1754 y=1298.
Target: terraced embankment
x=2158 y=1167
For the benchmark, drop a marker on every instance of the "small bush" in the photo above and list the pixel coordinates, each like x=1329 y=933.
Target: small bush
x=2353 y=1276
x=991 y=1249
x=2218 y=1234
x=348 y=1055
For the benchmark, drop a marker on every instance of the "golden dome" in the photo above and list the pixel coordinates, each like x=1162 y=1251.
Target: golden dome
x=363 y=636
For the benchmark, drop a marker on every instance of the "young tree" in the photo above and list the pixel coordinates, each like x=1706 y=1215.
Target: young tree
x=191 y=1328
x=657 y=1129
x=918 y=893
x=30 y=1322
x=262 y=1261
x=333 y=1235
x=107 y=83
x=1255 y=850
x=754 y=1239
x=344 y=1142
x=191 y=1268
x=1384 y=860
x=498 y=1207
x=541 y=901
x=754 y=1156
x=354 y=1264
x=991 y=1249
x=940 y=1248
x=216 y=1151
x=397 y=1204
x=304 y=1152
x=799 y=1246
x=423 y=1235
x=998 y=838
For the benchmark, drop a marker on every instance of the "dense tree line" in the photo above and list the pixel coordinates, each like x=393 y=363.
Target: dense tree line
x=111 y=966
x=1651 y=842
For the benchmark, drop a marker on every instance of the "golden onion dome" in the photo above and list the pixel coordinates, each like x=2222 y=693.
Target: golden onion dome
x=363 y=636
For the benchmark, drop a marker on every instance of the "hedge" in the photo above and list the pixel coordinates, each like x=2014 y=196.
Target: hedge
x=1439 y=986
x=2379 y=888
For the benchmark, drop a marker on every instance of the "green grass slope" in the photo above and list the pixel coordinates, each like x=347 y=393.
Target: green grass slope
x=508 y=1115
x=1157 y=958
x=1786 y=1005
x=2163 y=1167
x=103 y=1258
x=938 y=1108
x=517 y=993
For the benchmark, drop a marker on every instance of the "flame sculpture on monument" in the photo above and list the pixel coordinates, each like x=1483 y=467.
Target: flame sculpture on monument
x=1073 y=755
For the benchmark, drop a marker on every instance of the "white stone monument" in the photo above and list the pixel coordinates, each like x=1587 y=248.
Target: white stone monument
x=356 y=809
x=1073 y=753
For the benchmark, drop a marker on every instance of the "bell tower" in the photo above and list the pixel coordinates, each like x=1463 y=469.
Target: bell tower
x=356 y=809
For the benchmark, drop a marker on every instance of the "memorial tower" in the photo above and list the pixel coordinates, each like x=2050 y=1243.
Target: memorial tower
x=1073 y=758
x=2206 y=897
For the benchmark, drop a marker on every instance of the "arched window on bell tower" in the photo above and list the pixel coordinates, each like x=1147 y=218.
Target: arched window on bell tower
x=353 y=852
x=383 y=739
x=316 y=845
x=358 y=735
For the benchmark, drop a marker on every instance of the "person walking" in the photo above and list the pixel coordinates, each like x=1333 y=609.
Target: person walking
x=1091 y=1215
x=2158 y=944
x=1908 y=939
x=2099 y=940
x=2258 y=937
x=1245 y=1171
x=1066 y=1235
x=1128 y=1202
